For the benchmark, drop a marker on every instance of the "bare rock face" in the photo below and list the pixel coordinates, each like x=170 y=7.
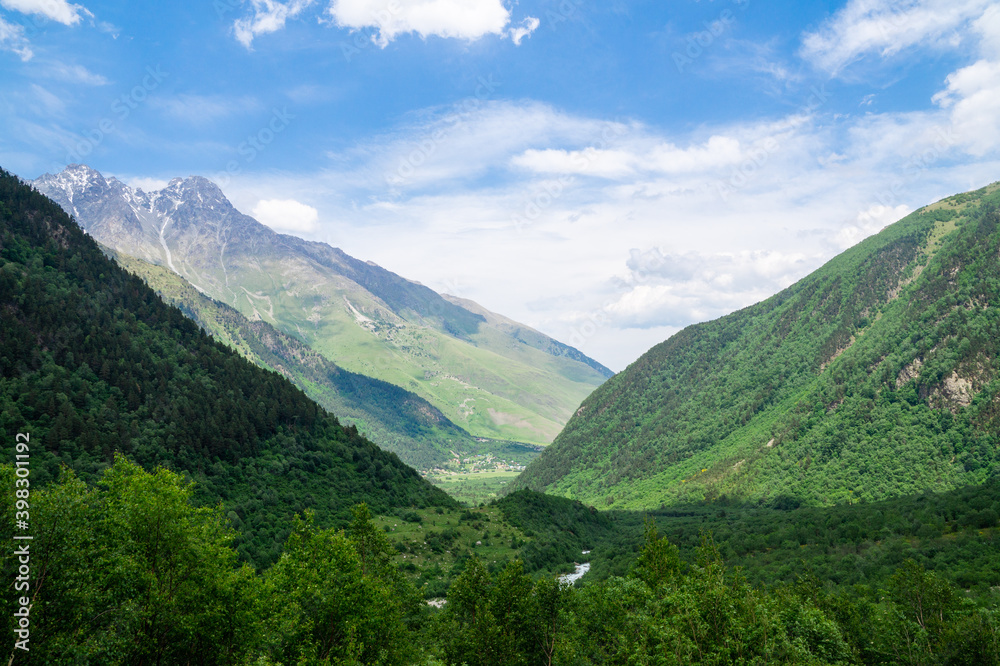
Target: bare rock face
x=954 y=393
x=909 y=373
x=957 y=390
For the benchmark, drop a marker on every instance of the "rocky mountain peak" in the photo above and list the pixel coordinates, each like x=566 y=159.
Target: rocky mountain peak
x=195 y=191
x=74 y=179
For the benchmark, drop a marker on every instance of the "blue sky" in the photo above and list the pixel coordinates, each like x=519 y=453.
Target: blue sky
x=607 y=172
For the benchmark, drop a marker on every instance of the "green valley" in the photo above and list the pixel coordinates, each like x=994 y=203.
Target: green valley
x=397 y=420
x=193 y=508
x=301 y=307
x=132 y=567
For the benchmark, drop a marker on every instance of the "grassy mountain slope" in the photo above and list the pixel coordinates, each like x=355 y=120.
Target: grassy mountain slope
x=485 y=378
x=873 y=377
x=94 y=362
x=395 y=419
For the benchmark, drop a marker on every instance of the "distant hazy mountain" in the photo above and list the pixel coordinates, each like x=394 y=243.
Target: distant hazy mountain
x=875 y=376
x=491 y=376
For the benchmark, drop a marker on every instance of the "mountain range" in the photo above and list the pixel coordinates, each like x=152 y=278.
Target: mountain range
x=871 y=378
x=876 y=376
x=96 y=365
x=490 y=376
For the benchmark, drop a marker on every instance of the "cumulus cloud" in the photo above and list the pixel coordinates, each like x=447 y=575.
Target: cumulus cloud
x=56 y=10
x=286 y=215
x=267 y=16
x=676 y=289
x=459 y=19
x=972 y=94
x=868 y=222
x=887 y=27
x=973 y=97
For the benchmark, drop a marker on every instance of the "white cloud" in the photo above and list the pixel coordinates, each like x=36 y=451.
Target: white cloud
x=718 y=151
x=973 y=98
x=868 y=222
x=988 y=27
x=109 y=29
x=459 y=19
x=12 y=39
x=499 y=187
x=267 y=16
x=57 y=10
x=972 y=94
x=663 y=289
x=528 y=26
x=619 y=163
x=887 y=27
x=286 y=215
x=463 y=142
x=147 y=184
x=589 y=161
x=755 y=58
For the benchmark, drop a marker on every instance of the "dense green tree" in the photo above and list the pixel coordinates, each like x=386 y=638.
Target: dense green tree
x=331 y=600
x=707 y=615
x=503 y=619
x=131 y=572
x=659 y=561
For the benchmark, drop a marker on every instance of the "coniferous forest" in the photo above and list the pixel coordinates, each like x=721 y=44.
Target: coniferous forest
x=187 y=507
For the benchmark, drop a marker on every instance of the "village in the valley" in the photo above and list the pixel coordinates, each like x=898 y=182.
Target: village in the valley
x=475 y=464
x=474 y=478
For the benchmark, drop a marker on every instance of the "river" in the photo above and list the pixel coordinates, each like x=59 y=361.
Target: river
x=581 y=569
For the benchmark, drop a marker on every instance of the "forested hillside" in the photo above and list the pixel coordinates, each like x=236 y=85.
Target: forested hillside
x=394 y=418
x=94 y=363
x=874 y=377
x=128 y=571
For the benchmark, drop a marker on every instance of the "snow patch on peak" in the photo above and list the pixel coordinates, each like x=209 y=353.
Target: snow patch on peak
x=77 y=177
